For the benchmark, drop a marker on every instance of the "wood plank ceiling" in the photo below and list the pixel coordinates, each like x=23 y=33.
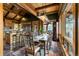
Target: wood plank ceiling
x=27 y=11
x=50 y=8
x=16 y=13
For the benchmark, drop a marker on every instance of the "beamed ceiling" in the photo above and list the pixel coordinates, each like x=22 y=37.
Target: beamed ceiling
x=50 y=8
x=28 y=11
x=37 y=5
x=16 y=13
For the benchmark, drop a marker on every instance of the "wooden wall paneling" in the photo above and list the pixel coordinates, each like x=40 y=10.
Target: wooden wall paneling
x=1 y=29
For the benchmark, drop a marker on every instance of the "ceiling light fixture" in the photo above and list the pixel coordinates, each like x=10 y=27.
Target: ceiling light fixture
x=42 y=15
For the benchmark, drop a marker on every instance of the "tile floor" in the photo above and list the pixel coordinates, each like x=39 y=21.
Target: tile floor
x=54 y=51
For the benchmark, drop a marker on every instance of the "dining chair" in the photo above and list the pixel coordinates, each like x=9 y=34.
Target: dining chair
x=42 y=46
x=31 y=48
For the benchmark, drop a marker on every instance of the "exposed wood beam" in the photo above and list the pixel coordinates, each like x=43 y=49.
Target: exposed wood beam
x=60 y=7
x=13 y=20
x=14 y=16
x=31 y=6
x=52 y=12
x=17 y=15
x=22 y=9
x=27 y=8
x=6 y=14
x=20 y=19
x=11 y=7
x=8 y=18
x=9 y=10
x=51 y=5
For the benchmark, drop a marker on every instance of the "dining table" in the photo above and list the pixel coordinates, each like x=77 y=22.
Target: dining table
x=43 y=37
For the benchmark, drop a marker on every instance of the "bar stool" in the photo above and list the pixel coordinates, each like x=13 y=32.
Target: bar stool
x=22 y=40
x=13 y=44
x=18 y=41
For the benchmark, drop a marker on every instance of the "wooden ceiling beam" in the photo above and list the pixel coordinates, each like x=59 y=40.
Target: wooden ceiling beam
x=14 y=20
x=9 y=10
x=6 y=14
x=14 y=17
x=11 y=7
x=27 y=8
x=52 y=12
x=31 y=6
x=8 y=18
x=47 y=6
x=17 y=15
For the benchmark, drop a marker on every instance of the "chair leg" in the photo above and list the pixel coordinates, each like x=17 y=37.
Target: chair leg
x=44 y=51
x=33 y=54
x=40 y=51
x=26 y=53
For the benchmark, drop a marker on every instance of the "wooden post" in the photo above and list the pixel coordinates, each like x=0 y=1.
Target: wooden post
x=1 y=29
x=74 y=30
x=78 y=30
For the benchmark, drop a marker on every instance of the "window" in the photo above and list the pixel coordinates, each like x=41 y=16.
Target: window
x=50 y=27
x=69 y=26
x=15 y=26
x=69 y=30
x=44 y=28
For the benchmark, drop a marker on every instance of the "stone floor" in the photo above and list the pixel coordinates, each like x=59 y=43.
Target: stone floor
x=54 y=51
